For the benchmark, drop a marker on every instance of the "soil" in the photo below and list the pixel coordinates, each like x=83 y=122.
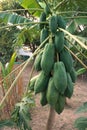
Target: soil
x=65 y=120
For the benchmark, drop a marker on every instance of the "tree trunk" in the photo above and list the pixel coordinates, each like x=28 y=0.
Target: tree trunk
x=51 y=119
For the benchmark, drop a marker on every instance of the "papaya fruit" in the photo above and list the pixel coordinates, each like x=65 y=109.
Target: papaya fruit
x=37 y=63
x=41 y=83
x=73 y=75
x=53 y=24
x=69 y=90
x=32 y=83
x=59 y=41
x=52 y=93
x=42 y=19
x=60 y=77
x=43 y=99
x=66 y=58
x=66 y=43
x=61 y=23
x=59 y=107
x=47 y=60
x=47 y=9
x=44 y=34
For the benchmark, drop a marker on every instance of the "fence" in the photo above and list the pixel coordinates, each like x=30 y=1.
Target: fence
x=14 y=96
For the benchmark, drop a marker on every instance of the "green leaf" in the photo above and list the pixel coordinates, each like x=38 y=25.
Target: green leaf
x=4 y=17
x=21 y=115
x=7 y=122
x=81 y=4
x=81 y=21
x=72 y=27
x=27 y=100
x=81 y=123
x=74 y=38
x=82 y=108
x=13 y=18
x=27 y=4
x=11 y=63
x=81 y=71
x=68 y=5
x=20 y=38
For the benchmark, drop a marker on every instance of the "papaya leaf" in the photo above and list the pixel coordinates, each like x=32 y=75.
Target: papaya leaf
x=82 y=108
x=20 y=39
x=81 y=123
x=81 y=4
x=81 y=71
x=12 y=18
x=75 y=38
x=81 y=21
x=7 y=122
x=27 y=4
x=72 y=27
x=21 y=115
x=68 y=5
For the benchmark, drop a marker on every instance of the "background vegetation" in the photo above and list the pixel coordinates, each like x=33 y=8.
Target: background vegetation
x=19 y=27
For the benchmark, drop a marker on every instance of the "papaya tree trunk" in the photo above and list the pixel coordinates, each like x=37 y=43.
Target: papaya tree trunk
x=51 y=119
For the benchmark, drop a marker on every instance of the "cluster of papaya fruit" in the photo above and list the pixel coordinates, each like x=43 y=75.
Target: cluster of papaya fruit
x=57 y=75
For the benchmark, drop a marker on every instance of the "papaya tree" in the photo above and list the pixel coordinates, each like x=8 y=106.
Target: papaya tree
x=54 y=56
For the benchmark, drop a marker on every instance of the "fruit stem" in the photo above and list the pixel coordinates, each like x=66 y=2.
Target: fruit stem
x=57 y=57
x=50 y=39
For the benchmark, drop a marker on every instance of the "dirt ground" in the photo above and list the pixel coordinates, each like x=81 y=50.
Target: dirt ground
x=65 y=120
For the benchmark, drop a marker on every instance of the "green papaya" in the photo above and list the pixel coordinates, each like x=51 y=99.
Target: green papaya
x=44 y=34
x=69 y=90
x=73 y=75
x=42 y=19
x=32 y=83
x=43 y=99
x=37 y=63
x=61 y=22
x=41 y=83
x=66 y=58
x=59 y=41
x=47 y=9
x=66 y=43
x=60 y=77
x=52 y=93
x=47 y=60
x=59 y=107
x=53 y=24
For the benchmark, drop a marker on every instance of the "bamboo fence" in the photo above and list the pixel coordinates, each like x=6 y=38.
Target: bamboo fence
x=14 y=96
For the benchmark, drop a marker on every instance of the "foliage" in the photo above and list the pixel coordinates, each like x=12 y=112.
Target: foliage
x=64 y=5
x=13 y=18
x=73 y=21
x=28 y=37
x=81 y=122
x=20 y=116
x=6 y=4
x=7 y=69
x=31 y=4
x=81 y=71
x=7 y=37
